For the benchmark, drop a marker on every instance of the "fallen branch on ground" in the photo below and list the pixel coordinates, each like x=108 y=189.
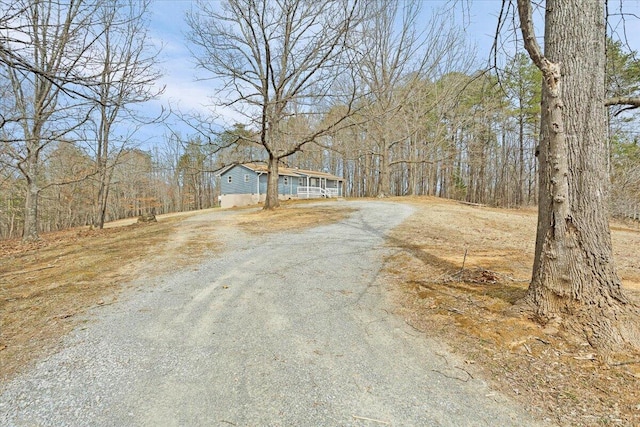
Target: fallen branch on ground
x=370 y=419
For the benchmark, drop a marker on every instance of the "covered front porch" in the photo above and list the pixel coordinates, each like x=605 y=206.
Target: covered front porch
x=310 y=187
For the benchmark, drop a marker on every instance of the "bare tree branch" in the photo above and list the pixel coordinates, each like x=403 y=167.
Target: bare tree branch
x=633 y=102
x=278 y=61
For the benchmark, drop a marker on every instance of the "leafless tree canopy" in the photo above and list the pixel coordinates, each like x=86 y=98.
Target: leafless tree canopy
x=373 y=91
x=59 y=61
x=276 y=61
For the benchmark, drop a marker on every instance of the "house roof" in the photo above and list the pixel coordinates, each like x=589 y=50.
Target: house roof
x=284 y=171
x=316 y=174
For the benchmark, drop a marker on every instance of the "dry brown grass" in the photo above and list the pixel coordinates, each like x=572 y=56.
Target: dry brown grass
x=44 y=286
x=291 y=216
x=469 y=309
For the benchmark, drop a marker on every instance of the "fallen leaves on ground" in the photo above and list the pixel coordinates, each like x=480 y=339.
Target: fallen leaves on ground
x=470 y=309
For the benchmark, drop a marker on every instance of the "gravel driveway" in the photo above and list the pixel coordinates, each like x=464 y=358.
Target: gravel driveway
x=290 y=329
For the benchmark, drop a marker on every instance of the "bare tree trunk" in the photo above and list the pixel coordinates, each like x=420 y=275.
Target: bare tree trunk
x=519 y=191
x=574 y=277
x=384 y=180
x=30 y=230
x=103 y=197
x=272 y=201
x=367 y=177
x=104 y=178
x=412 y=168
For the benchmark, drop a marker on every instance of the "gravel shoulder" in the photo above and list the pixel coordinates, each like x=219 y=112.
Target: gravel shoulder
x=281 y=329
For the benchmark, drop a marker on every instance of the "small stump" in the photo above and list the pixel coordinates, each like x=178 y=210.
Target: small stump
x=145 y=218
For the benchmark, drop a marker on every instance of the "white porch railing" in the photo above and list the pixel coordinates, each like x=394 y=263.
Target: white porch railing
x=316 y=192
x=332 y=192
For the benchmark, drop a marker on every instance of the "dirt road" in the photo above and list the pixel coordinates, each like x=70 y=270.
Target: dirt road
x=286 y=329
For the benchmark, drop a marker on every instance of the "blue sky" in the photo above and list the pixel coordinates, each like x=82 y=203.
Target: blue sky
x=184 y=91
x=168 y=27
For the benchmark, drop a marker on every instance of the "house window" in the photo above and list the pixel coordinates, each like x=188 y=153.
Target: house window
x=300 y=181
x=286 y=180
x=246 y=177
x=229 y=179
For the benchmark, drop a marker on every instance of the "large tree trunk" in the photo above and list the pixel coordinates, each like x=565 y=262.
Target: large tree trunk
x=272 y=201
x=574 y=277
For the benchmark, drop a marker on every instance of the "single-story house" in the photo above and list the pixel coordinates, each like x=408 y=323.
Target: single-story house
x=246 y=184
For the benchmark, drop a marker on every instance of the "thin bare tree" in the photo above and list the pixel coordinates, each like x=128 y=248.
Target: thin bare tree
x=45 y=43
x=127 y=62
x=398 y=53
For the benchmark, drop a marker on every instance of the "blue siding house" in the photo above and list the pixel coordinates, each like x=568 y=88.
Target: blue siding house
x=246 y=184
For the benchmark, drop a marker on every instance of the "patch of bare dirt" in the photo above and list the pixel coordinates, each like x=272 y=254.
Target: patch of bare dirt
x=457 y=272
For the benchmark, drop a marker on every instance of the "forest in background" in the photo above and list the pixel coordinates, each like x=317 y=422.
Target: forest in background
x=439 y=126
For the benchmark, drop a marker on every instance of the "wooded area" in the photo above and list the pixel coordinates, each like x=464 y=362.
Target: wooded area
x=395 y=106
